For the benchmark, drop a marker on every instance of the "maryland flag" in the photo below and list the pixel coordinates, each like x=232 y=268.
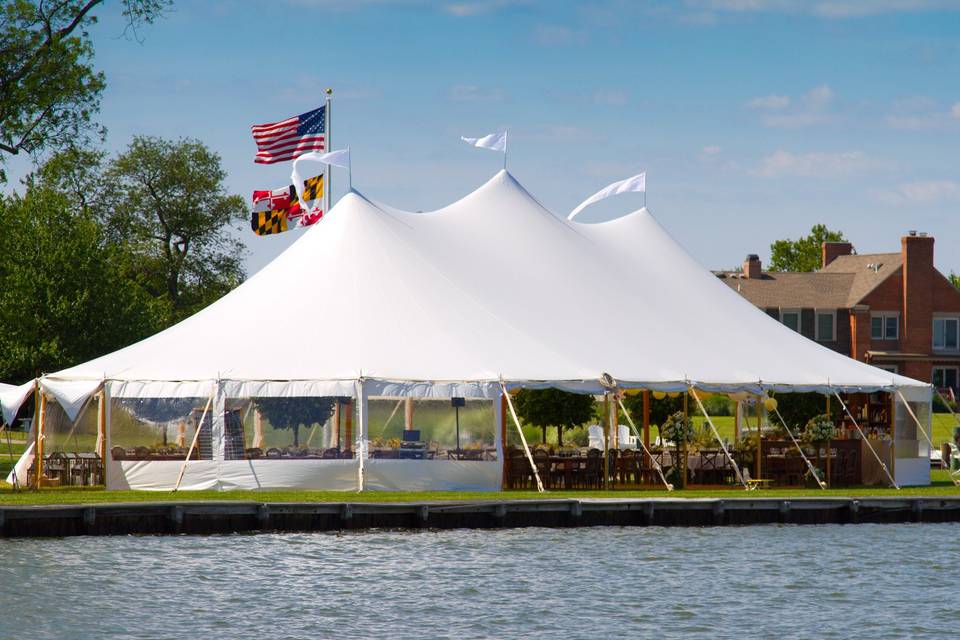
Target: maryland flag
x=311 y=200
x=273 y=210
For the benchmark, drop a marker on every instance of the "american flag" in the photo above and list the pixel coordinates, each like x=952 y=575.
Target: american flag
x=287 y=139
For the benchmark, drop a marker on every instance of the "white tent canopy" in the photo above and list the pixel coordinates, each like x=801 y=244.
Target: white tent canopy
x=492 y=286
x=377 y=302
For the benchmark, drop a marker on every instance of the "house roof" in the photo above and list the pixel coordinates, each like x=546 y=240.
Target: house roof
x=869 y=270
x=840 y=285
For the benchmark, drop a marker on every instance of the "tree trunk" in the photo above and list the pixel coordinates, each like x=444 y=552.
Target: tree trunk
x=560 y=436
x=296 y=435
x=543 y=435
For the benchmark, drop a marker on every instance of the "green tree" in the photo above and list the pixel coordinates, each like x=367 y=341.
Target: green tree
x=554 y=408
x=64 y=296
x=167 y=201
x=803 y=254
x=49 y=91
x=660 y=410
x=293 y=413
x=955 y=279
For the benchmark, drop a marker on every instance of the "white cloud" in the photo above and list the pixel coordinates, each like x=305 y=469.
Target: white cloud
x=927 y=192
x=770 y=102
x=478 y=7
x=552 y=35
x=813 y=107
x=830 y=9
x=610 y=97
x=815 y=165
x=474 y=93
x=712 y=150
x=921 y=112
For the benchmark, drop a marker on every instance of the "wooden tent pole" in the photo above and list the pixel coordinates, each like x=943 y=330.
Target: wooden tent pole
x=759 y=465
x=646 y=428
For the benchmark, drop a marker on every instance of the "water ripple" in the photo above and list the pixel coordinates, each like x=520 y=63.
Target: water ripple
x=871 y=581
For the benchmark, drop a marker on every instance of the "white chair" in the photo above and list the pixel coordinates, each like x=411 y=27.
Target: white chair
x=627 y=439
x=595 y=433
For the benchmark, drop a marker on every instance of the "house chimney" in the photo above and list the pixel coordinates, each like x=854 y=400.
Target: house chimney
x=918 y=281
x=751 y=266
x=830 y=251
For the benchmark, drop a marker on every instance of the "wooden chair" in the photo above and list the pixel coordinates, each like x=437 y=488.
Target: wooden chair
x=628 y=467
x=541 y=458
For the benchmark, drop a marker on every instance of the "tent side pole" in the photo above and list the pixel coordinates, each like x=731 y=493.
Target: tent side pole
x=40 y=436
x=606 y=442
x=883 y=464
x=646 y=425
x=503 y=441
x=759 y=464
x=360 y=450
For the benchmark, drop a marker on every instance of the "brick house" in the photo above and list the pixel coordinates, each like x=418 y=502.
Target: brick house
x=892 y=310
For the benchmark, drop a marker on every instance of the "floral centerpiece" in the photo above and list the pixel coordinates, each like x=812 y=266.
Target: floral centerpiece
x=678 y=429
x=819 y=429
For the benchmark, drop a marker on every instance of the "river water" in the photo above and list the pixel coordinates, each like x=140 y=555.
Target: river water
x=876 y=581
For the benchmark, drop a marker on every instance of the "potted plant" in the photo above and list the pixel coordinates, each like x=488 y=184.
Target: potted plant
x=679 y=429
x=819 y=430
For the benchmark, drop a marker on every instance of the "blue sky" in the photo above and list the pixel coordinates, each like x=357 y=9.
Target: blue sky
x=755 y=119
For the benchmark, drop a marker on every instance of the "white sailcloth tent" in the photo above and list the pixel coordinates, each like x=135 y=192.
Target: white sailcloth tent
x=374 y=302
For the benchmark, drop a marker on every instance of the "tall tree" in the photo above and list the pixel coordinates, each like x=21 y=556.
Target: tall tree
x=955 y=279
x=293 y=413
x=167 y=199
x=554 y=408
x=803 y=254
x=64 y=295
x=49 y=91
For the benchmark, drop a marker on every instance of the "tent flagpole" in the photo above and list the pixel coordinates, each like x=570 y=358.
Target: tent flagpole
x=523 y=439
x=328 y=142
x=883 y=464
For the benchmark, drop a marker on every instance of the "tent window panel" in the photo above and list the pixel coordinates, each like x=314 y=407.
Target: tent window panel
x=296 y=428
x=61 y=434
x=70 y=447
x=432 y=432
x=160 y=428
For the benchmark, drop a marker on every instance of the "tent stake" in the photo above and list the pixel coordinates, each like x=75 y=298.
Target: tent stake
x=883 y=464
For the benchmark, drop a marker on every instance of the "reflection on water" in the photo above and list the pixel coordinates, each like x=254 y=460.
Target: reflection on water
x=786 y=581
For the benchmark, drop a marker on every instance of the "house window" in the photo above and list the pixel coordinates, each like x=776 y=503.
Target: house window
x=885 y=326
x=826 y=328
x=944 y=377
x=946 y=334
x=892 y=368
x=791 y=318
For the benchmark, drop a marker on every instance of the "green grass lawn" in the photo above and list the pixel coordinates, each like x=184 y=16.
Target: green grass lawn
x=941 y=487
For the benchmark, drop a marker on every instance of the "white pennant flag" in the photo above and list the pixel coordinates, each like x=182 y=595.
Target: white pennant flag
x=494 y=141
x=637 y=183
x=338 y=158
